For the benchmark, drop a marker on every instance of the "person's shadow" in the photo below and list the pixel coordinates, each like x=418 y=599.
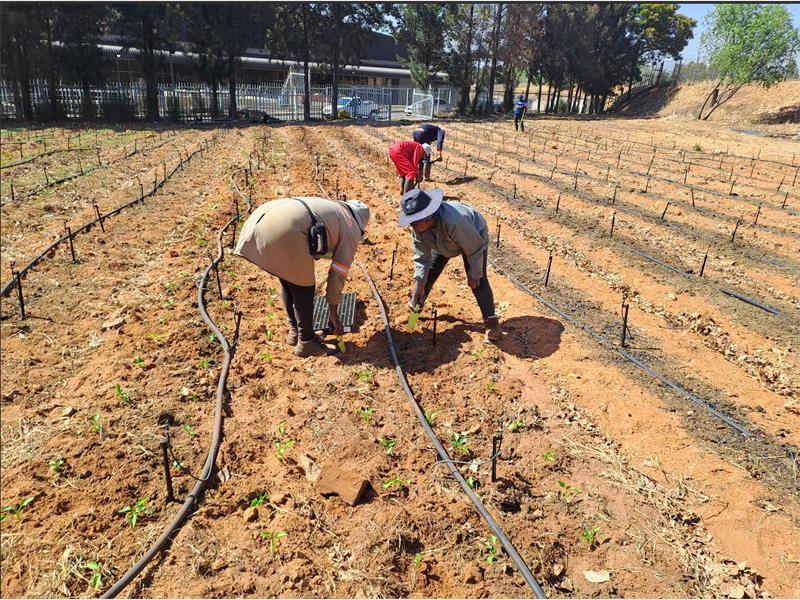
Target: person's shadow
x=524 y=336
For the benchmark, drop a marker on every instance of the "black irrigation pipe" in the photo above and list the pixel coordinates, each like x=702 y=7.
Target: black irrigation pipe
x=603 y=341
x=9 y=285
x=43 y=154
x=444 y=457
x=751 y=301
x=56 y=182
x=216 y=437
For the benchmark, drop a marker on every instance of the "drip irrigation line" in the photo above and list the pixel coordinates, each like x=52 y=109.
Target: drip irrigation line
x=751 y=301
x=445 y=458
x=523 y=568
x=603 y=341
x=216 y=436
x=42 y=155
x=9 y=285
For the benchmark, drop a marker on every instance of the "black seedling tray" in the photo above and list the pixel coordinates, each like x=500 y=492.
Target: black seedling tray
x=347 y=312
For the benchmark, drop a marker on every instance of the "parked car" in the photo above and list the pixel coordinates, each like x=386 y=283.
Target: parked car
x=440 y=107
x=356 y=108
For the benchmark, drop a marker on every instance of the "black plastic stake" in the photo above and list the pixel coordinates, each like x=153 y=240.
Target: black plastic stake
x=685 y=175
x=394 y=256
x=665 y=211
x=558 y=201
x=141 y=192
x=781 y=183
x=71 y=245
x=167 y=475
x=624 y=325
x=730 y=191
x=785 y=198
x=552 y=172
x=497 y=234
x=547 y=271
x=758 y=212
x=435 y=317
x=97 y=154
x=613 y=220
x=47 y=177
x=703 y=266
x=614 y=199
x=219 y=283
x=515 y=191
x=12 y=191
x=647 y=185
x=735 y=229
x=691 y=189
x=99 y=217
x=21 y=299
x=608 y=171
x=465 y=168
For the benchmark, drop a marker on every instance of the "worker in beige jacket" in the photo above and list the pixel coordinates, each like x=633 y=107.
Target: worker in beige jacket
x=285 y=236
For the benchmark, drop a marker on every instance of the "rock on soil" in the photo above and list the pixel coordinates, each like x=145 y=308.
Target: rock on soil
x=345 y=484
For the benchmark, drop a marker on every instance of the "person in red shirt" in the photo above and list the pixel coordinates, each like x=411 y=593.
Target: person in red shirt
x=407 y=158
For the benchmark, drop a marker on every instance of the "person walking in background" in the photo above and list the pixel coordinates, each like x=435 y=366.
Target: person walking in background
x=407 y=157
x=284 y=237
x=520 y=106
x=442 y=230
x=427 y=134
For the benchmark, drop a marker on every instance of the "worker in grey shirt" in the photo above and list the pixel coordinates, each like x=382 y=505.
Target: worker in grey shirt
x=443 y=230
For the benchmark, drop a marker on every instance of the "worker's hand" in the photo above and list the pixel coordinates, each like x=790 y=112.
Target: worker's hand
x=473 y=283
x=417 y=296
x=439 y=154
x=337 y=324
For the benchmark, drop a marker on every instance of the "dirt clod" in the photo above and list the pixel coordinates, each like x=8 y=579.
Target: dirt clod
x=345 y=484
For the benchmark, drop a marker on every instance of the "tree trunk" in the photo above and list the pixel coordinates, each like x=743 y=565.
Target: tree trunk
x=549 y=93
x=27 y=104
x=335 y=87
x=539 y=97
x=719 y=103
x=214 y=101
x=508 y=94
x=462 y=109
x=633 y=67
x=527 y=87
x=711 y=93
x=569 y=94
x=307 y=90
x=87 y=106
x=493 y=69
x=232 y=108
x=660 y=71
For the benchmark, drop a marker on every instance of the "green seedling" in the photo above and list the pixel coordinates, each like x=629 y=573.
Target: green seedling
x=283 y=446
x=282 y=428
x=96 y=578
x=516 y=425
x=169 y=303
x=459 y=443
x=549 y=456
x=388 y=444
x=490 y=547
x=202 y=242
x=163 y=320
x=121 y=394
x=396 y=484
x=188 y=430
x=189 y=394
x=273 y=538
x=132 y=512
x=472 y=482
x=697 y=148
x=158 y=338
x=96 y=424
x=490 y=388
x=15 y=509
x=417 y=560
x=267 y=356
x=477 y=354
x=590 y=533
x=273 y=293
x=225 y=304
x=413 y=317
x=366 y=413
x=139 y=362
x=205 y=363
x=430 y=416
x=363 y=374
x=211 y=337
x=341 y=345
x=178 y=465
x=259 y=499
x=56 y=465
x=567 y=491
x=269 y=335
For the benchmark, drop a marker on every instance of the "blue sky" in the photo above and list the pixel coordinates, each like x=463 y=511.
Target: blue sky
x=699 y=11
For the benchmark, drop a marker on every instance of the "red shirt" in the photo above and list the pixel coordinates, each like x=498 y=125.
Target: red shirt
x=406 y=155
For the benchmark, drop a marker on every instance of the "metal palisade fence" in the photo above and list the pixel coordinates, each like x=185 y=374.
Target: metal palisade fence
x=197 y=102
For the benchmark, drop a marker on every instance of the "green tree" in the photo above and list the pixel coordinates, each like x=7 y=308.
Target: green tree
x=346 y=36
x=747 y=43
x=421 y=28
x=658 y=30
x=21 y=46
x=78 y=27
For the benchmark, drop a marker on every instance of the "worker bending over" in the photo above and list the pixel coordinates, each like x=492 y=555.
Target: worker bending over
x=443 y=230
x=285 y=236
x=407 y=157
x=427 y=134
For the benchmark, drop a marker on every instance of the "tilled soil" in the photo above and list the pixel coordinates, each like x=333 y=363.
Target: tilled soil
x=608 y=484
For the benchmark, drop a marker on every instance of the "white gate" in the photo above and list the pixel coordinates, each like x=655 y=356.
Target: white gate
x=421 y=105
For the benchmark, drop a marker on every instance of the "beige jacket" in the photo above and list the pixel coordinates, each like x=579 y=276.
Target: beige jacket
x=275 y=238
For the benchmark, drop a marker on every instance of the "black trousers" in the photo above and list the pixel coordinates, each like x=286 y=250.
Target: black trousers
x=483 y=293
x=298 y=300
x=519 y=121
